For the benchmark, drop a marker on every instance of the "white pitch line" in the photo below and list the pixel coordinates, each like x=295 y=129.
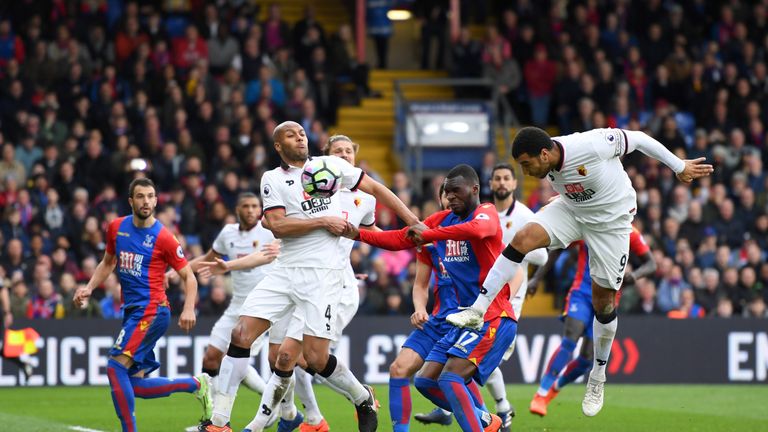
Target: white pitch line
x=83 y=429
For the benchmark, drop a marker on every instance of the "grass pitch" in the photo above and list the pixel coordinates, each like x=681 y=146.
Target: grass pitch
x=627 y=408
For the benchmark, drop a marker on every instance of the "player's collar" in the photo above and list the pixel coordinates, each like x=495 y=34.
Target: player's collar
x=562 y=155
x=512 y=207
x=287 y=167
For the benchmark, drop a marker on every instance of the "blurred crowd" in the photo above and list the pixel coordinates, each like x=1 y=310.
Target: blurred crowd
x=188 y=94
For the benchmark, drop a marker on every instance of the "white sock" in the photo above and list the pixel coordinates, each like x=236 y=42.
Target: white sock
x=307 y=396
x=321 y=380
x=231 y=373
x=603 y=339
x=343 y=378
x=274 y=392
x=502 y=271
x=288 y=408
x=254 y=381
x=446 y=412
x=495 y=385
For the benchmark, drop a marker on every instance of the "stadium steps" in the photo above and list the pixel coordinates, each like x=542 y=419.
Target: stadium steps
x=372 y=123
x=332 y=14
x=540 y=305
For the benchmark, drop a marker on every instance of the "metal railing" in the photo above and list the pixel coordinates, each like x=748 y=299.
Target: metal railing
x=503 y=118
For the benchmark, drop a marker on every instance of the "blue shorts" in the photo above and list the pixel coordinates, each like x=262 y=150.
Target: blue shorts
x=143 y=326
x=578 y=305
x=423 y=340
x=484 y=348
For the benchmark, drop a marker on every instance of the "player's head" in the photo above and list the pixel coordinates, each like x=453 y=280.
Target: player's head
x=441 y=197
x=462 y=189
x=142 y=196
x=343 y=147
x=291 y=142
x=248 y=209
x=503 y=181
x=532 y=149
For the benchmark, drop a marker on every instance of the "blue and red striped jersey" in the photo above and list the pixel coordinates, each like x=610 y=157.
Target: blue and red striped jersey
x=143 y=255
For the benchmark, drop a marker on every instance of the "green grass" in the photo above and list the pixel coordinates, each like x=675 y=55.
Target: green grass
x=628 y=408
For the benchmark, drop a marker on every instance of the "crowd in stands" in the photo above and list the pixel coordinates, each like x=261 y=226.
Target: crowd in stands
x=93 y=96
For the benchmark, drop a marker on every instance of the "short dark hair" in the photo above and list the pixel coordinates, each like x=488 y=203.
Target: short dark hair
x=503 y=166
x=144 y=182
x=465 y=171
x=530 y=140
x=245 y=195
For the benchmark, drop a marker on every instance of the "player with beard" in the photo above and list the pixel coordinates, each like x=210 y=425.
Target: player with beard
x=142 y=248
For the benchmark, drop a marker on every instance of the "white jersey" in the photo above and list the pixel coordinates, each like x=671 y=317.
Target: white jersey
x=235 y=243
x=281 y=188
x=512 y=220
x=358 y=208
x=591 y=178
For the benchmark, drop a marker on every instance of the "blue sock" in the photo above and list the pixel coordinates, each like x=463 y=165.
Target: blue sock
x=400 y=403
x=467 y=414
x=556 y=364
x=477 y=397
x=431 y=390
x=122 y=394
x=151 y=388
x=573 y=371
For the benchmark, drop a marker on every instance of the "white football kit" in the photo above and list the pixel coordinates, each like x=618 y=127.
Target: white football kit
x=512 y=220
x=308 y=275
x=235 y=243
x=597 y=202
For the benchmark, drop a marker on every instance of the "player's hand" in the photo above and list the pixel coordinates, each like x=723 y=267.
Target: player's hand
x=533 y=286
x=694 y=168
x=361 y=276
x=335 y=225
x=217 y=267
x=80 y=299
x=415 y=232
x=351 y=231
x=271 y=251
x=418 y=319
x=187 y=320
x=203 y=271
x=629 y=278
x=7 y=320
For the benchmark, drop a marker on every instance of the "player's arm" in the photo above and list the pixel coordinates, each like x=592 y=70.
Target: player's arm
x=389 y=240
x=388 y=198
x=538 y=276
x=6 y=303
x=639 y=247
x=255 y=259
x=284 y=226
x=196 y=263
x=484 y=224
x=189 y=282
x=105 y=267
x=421 y=289
x=686 y=170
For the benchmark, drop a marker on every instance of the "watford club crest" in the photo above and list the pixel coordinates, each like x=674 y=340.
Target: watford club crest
x=358 y=201
x=509 y=224
x=255 y=244
x=582 y=170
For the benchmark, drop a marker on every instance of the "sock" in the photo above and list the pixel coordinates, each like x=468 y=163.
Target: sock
x=233 y=369
x=573 y=371
x=467 y=414
x=340 y=376
x=604 y=329
x=474 y=391
x=502 y=271
x=556 y=364
x=306 y=395
x=277 y=387
x=495 y=386
x=339 y=390
x=432 y=391
x=254 y=381
x=288 y=408
x=151 y=388
x=214 y=374
x=122 y=394
x=400 y=403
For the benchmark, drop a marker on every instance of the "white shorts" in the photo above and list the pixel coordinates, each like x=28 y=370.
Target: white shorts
x=312 y=294
x=222 y=330
x=608 y=242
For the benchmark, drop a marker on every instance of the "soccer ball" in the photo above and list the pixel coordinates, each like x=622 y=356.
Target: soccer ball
x=320 y=177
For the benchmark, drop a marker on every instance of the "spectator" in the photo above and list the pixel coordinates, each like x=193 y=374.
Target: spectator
x=218 y=301
x=379 y=28
x=724 y=308
x=10 y=166
x=110 y=305
x=756 y=308
x=708 y=297
x=671 y=288
x=540 y=81
x=646 y=302
x=688 y=307
x=466 y=56
x=190 y=49
x=223 y=51
x=46 y=304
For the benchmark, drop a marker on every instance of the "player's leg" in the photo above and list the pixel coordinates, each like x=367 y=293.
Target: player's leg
x=572 y=331
x=123 y=397
x=578 y=366
x=406 y=364
x=608 y=254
